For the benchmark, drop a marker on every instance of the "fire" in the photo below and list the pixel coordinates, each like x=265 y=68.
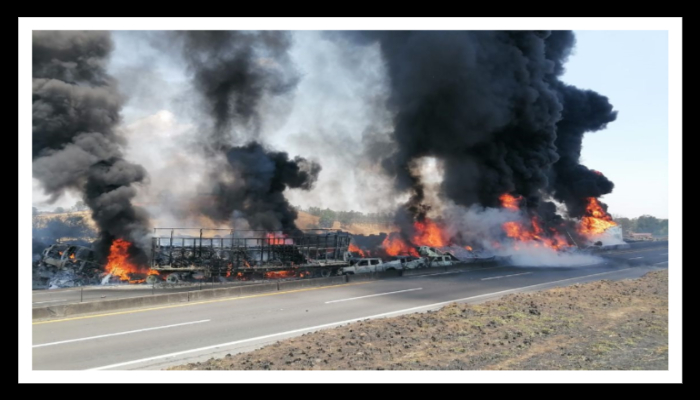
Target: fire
x=510 y=202
x=429 y=234
x=118 y=262
x=534 y=234
x=72 y=256
x=153 y=272
x=596 y=220
x=278 y=274
x=395 y=245
x=356 y=249
x=275 y=238
x=468 y=248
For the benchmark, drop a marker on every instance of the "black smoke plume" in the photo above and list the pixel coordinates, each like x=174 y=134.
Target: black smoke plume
x=254 y=185
x=233 y=72
x=75 y=109
x=584 y=111
x=490 y=106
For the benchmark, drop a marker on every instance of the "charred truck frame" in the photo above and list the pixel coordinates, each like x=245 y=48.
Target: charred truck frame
x=249 y=254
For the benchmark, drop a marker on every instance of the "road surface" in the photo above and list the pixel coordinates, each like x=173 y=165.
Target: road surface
x=179 y=333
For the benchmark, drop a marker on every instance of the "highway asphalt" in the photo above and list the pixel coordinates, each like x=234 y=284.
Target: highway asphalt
x=174 y=334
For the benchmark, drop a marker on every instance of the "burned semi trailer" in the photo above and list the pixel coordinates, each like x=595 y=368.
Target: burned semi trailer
x=249 y=254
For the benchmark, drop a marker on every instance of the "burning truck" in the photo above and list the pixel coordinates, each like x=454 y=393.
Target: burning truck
x=248 y=255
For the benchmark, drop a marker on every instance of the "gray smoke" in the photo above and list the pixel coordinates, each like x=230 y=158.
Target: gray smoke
x=75 y=109
x=234 y=72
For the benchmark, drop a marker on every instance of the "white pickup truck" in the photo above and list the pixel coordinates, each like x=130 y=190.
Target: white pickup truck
x=365 y=265
x=406 y=262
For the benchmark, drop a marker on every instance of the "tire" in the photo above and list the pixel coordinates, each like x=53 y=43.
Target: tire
x=325 y=273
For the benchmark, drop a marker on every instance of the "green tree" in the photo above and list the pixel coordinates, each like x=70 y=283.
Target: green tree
x=648 y=223
x=626 y=224
x=328 y=216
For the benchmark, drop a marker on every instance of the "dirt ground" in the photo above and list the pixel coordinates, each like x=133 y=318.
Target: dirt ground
x=603 y=325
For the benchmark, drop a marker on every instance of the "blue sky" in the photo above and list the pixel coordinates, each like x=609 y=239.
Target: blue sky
x=631 y=69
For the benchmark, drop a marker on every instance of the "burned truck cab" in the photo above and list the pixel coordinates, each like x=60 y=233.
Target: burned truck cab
x=64 y=256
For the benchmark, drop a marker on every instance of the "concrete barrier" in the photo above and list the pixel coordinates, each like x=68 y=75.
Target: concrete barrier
x=255 y=289
x=65 y=310
x=308 y=283
x=388 y=274
x=361 y=277
x=422 y=271
x=200 y=295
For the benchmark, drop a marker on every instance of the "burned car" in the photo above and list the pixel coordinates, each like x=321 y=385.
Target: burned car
x=70 y=257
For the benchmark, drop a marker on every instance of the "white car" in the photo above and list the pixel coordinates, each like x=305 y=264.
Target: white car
x=405 y=262
x=440 y=261
x=364 y=265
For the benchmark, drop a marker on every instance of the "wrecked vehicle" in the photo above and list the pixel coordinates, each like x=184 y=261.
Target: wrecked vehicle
x=65 y=256
x=406 y=262
x=248 y=254
x=436 y=258
x=365 y=265
x=65 y=265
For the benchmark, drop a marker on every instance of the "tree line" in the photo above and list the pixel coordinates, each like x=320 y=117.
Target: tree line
x=328 y=216
x=643 y=224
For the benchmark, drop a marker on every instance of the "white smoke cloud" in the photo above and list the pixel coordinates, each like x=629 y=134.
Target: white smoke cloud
x=484 y=228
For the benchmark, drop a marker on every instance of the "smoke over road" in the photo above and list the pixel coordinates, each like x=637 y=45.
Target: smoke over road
x=234 y=72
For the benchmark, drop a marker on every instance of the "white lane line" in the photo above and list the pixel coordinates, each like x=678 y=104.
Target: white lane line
x=504 y=276
x=454 y=272
x=588 y=265
x=48 y=301
x=439 y=273
x=662 y=262
x=333 y=324
x=635 y=258
x=373 y=295
x=120 y=333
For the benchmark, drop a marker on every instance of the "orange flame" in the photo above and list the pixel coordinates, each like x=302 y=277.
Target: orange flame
x=279 y=274
x=429 y=234
x=469 y=248
x=275 y=238
x=72 y=256
x=394 y=245
x=596 y=220
x=355 y=249
x=118 y=262
x=510 y=202
x=521 y=233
